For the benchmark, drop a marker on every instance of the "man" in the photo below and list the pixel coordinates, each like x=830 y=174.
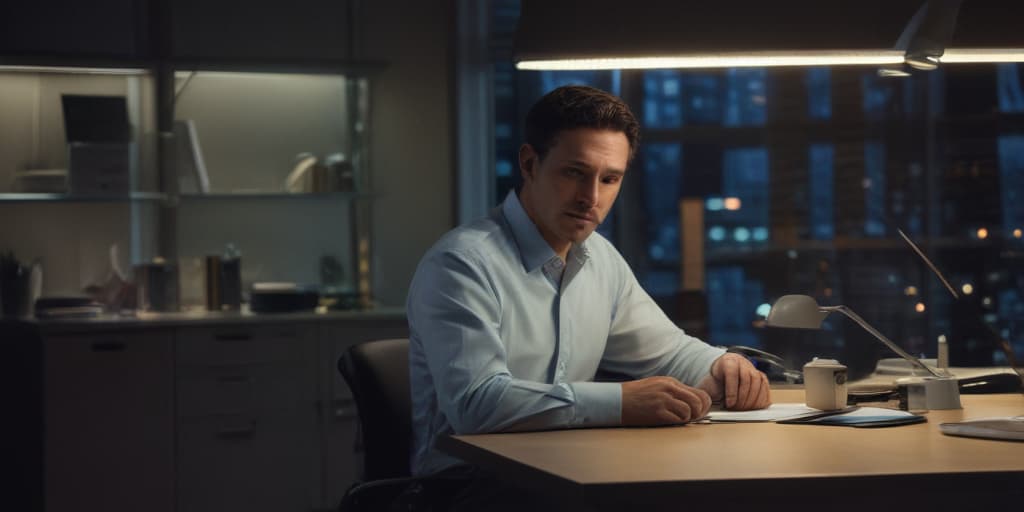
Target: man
x=511 y=316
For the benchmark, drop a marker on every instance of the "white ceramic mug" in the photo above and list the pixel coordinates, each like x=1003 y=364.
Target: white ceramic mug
x=825 y=384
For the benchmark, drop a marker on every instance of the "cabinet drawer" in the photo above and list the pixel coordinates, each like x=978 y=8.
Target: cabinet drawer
x=249 y=344
x=241 y=462
x=109 y=421
x=232 y=389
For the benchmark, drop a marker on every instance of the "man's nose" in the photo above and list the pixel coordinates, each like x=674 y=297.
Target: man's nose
x=587 y=192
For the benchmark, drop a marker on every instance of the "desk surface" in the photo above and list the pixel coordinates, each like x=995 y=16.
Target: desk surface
x=578 y=461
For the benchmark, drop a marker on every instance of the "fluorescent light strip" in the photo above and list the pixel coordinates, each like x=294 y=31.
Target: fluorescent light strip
x=965 y=55
x=181 y=75
x=724 y=60
x=72 y=70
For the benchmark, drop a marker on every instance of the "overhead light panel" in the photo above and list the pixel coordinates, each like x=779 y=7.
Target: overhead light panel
x=651 y=34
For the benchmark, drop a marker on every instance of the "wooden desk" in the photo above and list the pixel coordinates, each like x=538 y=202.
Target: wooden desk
x=764 y=465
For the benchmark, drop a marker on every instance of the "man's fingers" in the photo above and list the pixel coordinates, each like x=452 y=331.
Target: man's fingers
x=766 y=399
x=743 y=393
x=730 y=375
x=705 y=399
x=666 y=416
x=681 y=409
x=696 y=400
x=745 y=387
x=753 y=395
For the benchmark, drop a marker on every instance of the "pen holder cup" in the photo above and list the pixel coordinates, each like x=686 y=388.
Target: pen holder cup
x=825 y=384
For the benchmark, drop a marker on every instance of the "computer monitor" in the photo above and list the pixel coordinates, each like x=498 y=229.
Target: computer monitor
x=95 y=119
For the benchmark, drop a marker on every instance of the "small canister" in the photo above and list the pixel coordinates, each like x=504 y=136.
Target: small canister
x=157 y=284
x=231 y=279
x=213 y=283
x=825 y=384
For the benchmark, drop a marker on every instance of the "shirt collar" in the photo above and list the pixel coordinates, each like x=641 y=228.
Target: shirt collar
x=533 y=249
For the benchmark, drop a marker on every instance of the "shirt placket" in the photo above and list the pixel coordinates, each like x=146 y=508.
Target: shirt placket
x=555 y=271
x=564 y=336
x=568 y=315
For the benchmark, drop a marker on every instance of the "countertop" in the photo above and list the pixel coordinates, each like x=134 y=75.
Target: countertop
x=144 y=320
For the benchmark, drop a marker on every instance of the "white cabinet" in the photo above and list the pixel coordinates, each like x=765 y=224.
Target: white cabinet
x=109 y=405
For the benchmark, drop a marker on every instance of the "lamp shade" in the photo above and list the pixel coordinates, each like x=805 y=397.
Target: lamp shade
x=803 y=312
x=797 y=312
x=604 y=34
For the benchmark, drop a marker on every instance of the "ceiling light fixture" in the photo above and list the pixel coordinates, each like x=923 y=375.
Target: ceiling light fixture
x=898 y=36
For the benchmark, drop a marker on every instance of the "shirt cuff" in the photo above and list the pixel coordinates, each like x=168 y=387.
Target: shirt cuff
x=598 y=404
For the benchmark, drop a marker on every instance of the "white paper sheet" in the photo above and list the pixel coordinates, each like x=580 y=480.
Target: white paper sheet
x=771 y=413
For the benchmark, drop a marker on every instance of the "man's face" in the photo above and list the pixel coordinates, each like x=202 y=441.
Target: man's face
x=569 y=192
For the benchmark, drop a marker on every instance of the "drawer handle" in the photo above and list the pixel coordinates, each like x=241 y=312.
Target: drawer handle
x=108 y=346
x=233 y=336
x=237 y=432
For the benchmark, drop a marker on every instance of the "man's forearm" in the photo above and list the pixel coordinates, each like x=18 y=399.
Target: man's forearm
x=505 y=404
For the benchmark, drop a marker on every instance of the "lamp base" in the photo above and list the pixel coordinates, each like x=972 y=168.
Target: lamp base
x=942 y=393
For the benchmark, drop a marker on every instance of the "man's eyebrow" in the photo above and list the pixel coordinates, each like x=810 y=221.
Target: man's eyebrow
x=577 y=163
x=583 y=165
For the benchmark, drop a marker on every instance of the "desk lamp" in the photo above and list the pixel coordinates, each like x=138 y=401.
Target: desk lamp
x=803 y=312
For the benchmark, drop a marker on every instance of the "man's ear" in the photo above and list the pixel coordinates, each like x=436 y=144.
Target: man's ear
x=528 y=160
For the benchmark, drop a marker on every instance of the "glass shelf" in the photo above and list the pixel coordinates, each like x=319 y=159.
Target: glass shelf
x=26 y=197
x=216 y=196
x=23 y=197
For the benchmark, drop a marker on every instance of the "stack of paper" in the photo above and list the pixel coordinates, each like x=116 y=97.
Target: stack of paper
x=771 y=413
x=852 y=416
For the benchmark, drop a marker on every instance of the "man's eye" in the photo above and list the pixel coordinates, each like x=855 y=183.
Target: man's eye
x=572 y=173
x=611 y=180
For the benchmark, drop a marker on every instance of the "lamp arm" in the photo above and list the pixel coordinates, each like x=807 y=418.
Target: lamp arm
x=895 y=348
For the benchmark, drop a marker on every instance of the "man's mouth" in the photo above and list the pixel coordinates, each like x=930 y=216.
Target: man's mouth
x=583 y=216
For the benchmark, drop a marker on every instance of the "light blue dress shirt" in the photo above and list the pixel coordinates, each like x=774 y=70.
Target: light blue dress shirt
x=504 y=336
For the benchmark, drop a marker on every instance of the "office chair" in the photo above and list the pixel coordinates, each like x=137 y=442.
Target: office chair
x=377 y=372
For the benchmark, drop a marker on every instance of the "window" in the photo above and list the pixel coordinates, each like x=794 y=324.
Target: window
x=874 y=188
x=805 y=175
x=661 y=181
x=819 y=93
x=821 y=200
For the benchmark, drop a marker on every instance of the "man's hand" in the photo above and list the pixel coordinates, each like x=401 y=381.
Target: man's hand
x=736 y=382
x=661 y=401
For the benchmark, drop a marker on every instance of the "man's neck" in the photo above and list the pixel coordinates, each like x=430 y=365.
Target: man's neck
x=560 y=247
x=563 y=253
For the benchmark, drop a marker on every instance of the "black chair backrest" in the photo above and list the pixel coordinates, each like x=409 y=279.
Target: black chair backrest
x=378 y=374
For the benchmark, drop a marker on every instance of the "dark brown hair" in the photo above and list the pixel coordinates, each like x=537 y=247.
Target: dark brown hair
x=578 y=106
